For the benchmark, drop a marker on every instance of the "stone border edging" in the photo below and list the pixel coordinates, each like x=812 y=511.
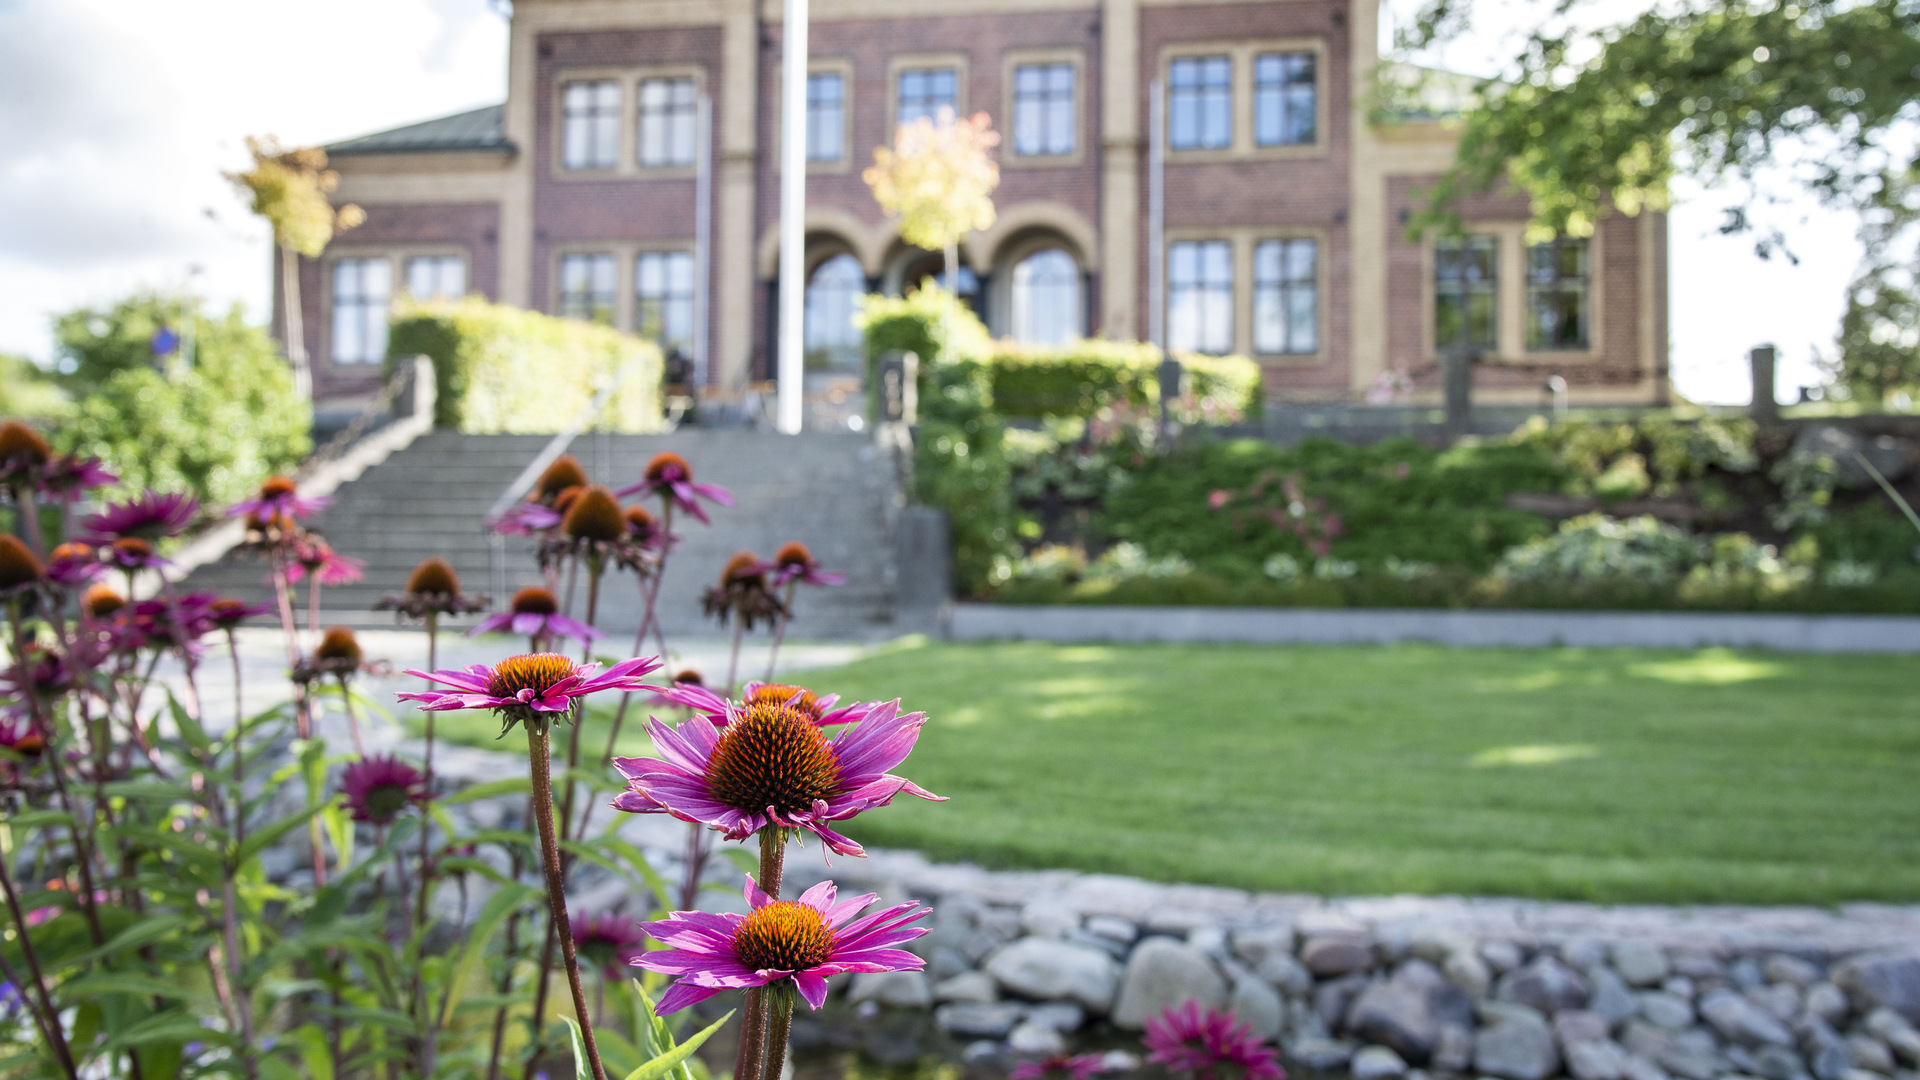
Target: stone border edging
x=1380 y=626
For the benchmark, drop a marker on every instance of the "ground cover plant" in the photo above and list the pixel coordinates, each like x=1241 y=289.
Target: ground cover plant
x=196 y=891
x=1613 y=775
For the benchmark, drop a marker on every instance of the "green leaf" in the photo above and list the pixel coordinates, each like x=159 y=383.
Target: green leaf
x=40 y=819
x=581 y=1070
x=659 y=1066
x=267 y=837
x=742 y=859
x=190 y=729
x=512 y=785
x=502 y=904
x=582 y=851
x=145 y=932
x=638 y=860
x=129 y=983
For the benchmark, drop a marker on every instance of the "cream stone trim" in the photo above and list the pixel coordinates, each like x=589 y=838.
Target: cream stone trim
x=1649 y=332
x=1009 y=256
x=869 y=243
x=734 y=282
x=1241 y=55
x=1241 y=240
x=1366 y=207
x=516 y=203
x=957 y=61
x=1121 y=213
x=1012 y=61
x=417 y=182
x=819 y=65
x=846 y=10
x=1510 y=299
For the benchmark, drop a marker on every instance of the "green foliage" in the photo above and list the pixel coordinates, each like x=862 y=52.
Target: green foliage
x=1081 y=378
x=28 y=392
x=93 y=344
x=216 y=430
x=1655 y=455
x=505 y=370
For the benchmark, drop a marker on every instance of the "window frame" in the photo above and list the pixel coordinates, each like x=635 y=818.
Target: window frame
x=1241 y=56
x=817 y=260
x=849 y=97
x=1253 y=97
x=1320 y=260
x=627 y=160
x=1012 y=61
x=1201 y=92
x=622 y=309
x=1235 y=291
x=395 y=254
x=633 y=257
x=844 y=91
x=1512 y=296
x=639 y=116
x=404 y=260
x=905 y=62
x=1014 y=259
x=1586 y=282
x=328 y=269
x=622 y=105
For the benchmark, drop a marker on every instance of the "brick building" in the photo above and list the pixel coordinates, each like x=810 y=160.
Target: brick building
x=634 y=128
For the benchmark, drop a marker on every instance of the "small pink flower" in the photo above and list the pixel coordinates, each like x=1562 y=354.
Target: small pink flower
x=535 y=613
x=522 y=687
x=378 y=788
x=610 y=942
x=526 y=518
x=800 y=942
x=312 y=555
x=278 y=497
x=1214 y=1046
x=793 y=562
x=669 y=476
x=149 y=516
x=1219 y=498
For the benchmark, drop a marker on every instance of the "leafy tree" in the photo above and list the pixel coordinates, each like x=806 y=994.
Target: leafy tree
x=1880 y=331
x=217 y=429
x=289 y=188
x=938 y=179
x=27 y=391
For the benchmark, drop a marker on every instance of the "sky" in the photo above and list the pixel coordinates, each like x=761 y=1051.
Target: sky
x=117 y=118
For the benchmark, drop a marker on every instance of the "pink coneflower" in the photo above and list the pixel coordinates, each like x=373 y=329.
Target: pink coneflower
x=770 y=764
x=610 y=942
x=227 y=612
x=278 y=498
x=793 y=942
x=824 y=710
x=1060 y=1067
x=23 y=744
x=315 y=556
x=133 y=553
x=644 y=528
x=20 y=571
x=433 y=588
x=1213 y=1046
x=795 y=563
x=67 y=475
x=742 y=593
x=526 y=519
x=100 y=601
x=48 y=676
x=520 y=687
x=24 y=454
x=535 y=612
x=378 y=788
x=74 y=564
x=669 y=476
x=148 y=516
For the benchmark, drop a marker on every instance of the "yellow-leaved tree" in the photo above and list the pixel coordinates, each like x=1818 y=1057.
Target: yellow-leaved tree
x=289 y=188
x=938 y=179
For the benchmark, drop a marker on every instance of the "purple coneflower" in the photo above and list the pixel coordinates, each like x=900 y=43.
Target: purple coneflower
x=378 y=788
x=68 y=475
x=100 y=601
x=278 y=498
x=1213 y=1046
x=610 y=942
x=23 y=454
x=742 y=593
x=535 y=612
x=227 y=612
x=782 y=943
x=433 y=588
x=669 y=476
x=521 y=686
x=148 y=516
x=19 y=569
x=526 y=519
x=1060 y=1067
x=823 y=710
x=770 y=764
x=794 y=563
x=315 y=556
x=133 y=553
x=74 y=564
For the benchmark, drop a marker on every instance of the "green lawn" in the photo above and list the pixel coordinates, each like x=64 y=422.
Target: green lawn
x=1613 y=775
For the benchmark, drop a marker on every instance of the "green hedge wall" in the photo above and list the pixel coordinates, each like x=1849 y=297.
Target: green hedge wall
x=1081 y=378
x=504 y=370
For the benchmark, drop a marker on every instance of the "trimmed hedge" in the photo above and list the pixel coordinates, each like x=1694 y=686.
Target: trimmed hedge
x=504 y=370
x=1081 y=378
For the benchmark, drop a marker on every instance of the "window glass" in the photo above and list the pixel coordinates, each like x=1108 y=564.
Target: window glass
x=1465 y=306
x=1200 y=297
x=832 y=341
x=826 y=116
x=666 y=122
x=590 y=124
x=1043 y=120
x=1557 y=277
x=663 y=298
x=437 y=277
x=1200 y=103
x=926 y=91
x=586 y=287
x=1283 y=99
x=361 y=290
x=1047 y=309
x=1286 y=296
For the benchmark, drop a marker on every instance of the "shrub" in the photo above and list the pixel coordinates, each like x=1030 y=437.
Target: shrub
x=1082 y=378
x=1594 y=548
x=216 y=430
x=503 y=370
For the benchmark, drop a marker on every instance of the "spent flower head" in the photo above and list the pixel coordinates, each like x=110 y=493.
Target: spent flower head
x=378 y=788
x=742 y=593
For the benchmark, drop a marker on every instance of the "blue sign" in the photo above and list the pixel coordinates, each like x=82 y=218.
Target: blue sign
x=164 y=342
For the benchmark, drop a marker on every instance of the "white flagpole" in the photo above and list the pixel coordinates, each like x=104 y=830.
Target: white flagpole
x=793 y=211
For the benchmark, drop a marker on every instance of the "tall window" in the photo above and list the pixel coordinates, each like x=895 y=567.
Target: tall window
x=1046 y=298
x=1043 y=119
x=590 y=127
x=1286 y=296
x=831 y=339
x=925 y=91
x=666 y=122
x=826 y=116
x=586 y=287
x=1465 y=310
x=437 y=277
x=1200 y=103
x=1284 y=109
x=1557 y=277
x=1200 y=297
x=361 y=290
x=663 y=298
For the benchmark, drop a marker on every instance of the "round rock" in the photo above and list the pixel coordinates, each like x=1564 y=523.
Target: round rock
x=1161 y=974
x=1047 y=970
x=1377 y=1063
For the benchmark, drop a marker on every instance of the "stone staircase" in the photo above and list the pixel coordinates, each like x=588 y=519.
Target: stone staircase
x=834 y=492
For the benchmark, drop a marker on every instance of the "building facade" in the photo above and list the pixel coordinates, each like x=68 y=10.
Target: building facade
x=632 y=177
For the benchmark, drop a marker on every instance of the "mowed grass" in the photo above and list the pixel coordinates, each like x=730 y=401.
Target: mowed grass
x=1613 y=775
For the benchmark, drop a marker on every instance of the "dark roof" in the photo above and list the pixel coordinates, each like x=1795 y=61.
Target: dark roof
x=480 y=129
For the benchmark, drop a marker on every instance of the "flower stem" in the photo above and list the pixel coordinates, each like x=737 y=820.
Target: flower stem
x=353 y=721
x=539 y=754
x=754 y=1044
x=733 y=661
x=780 y=1005
x=780 y=630
x=58 y=1036
x=426 y=864
x=239 y=748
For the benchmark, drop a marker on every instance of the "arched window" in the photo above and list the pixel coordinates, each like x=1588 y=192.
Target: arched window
x=1046 y=298
x=833 y=296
